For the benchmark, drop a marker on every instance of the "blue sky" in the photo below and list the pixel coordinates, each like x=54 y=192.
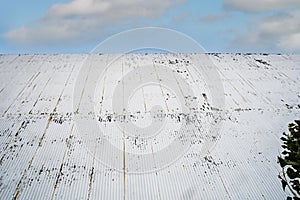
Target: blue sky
x=77 y=26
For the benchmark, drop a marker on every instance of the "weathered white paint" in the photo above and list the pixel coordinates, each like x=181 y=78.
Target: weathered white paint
x=42 y=156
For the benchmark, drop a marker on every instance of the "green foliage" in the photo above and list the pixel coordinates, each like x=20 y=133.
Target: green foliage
x=290 y=160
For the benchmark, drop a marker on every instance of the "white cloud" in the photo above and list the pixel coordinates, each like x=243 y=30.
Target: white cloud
x=290 y=42
x=83 y=19
x=279 y=31
x=260 y=5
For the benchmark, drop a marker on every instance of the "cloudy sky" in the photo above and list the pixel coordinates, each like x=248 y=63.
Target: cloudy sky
x=77 y=26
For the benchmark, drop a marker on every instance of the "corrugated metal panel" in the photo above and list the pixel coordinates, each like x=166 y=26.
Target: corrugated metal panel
x=43 y=157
